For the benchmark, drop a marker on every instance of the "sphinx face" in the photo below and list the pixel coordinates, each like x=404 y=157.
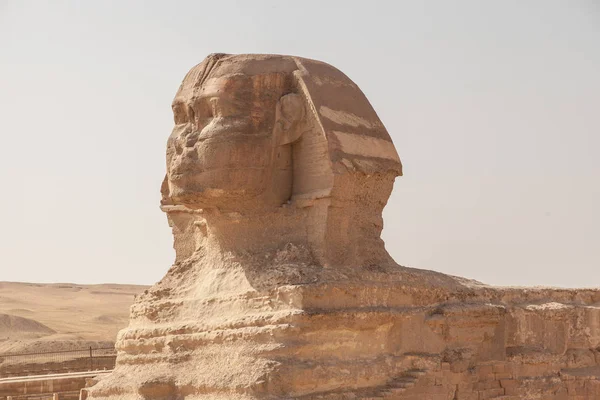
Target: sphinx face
x=222 y=152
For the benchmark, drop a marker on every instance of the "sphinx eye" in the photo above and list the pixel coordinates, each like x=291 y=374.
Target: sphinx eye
x=199 y=112
x=179 y=114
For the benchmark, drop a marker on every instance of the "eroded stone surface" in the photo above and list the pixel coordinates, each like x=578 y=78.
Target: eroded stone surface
x=278 y=170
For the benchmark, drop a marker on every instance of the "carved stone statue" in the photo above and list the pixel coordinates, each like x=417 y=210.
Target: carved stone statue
x=278 y=170
x=279 y=151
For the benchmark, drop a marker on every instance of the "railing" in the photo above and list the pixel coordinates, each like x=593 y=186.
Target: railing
x=90 y=359
x=73 y=395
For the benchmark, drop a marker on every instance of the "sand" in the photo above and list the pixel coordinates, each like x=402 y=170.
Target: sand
x=63 y=316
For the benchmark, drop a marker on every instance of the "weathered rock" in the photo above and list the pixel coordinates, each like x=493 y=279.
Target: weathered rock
x=278 y=170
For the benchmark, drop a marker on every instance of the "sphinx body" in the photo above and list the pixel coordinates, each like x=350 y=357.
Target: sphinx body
x=278 y=170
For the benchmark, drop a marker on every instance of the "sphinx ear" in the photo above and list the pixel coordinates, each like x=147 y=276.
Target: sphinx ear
x=288 y=116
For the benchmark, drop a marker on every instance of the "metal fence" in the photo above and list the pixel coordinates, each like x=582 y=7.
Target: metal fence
x=38 y=363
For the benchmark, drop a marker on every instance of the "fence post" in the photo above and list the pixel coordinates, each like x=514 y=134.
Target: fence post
x=91 y=360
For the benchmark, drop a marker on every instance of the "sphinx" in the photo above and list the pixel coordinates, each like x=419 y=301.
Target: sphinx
x=282 y=142
x=278 y=170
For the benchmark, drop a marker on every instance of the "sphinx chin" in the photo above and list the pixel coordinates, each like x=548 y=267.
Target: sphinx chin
x=196 y=200
x=226 y=200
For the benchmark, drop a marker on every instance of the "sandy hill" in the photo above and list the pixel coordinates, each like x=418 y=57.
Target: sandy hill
x=12 y=325
x=49 y=317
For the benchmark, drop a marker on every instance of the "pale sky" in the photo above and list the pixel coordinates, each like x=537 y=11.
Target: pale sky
x=494 y=107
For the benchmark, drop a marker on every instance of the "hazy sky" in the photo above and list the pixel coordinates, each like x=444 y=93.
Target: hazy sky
x=494 y=107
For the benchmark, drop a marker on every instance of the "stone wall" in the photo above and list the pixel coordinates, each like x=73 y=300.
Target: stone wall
x=46 y=385
x=97 y=363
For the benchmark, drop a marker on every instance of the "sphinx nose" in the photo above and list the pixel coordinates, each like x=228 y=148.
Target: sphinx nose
x=191 y=139
x=178 y=138
x=190 y=154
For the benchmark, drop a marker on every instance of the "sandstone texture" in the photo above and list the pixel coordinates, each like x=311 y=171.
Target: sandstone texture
x=278 y=170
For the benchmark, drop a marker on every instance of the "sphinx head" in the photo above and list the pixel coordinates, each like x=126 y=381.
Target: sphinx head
x=231 y=144
x=255 y=133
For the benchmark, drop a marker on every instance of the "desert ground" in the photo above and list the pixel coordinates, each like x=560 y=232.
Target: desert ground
x=63 y=316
